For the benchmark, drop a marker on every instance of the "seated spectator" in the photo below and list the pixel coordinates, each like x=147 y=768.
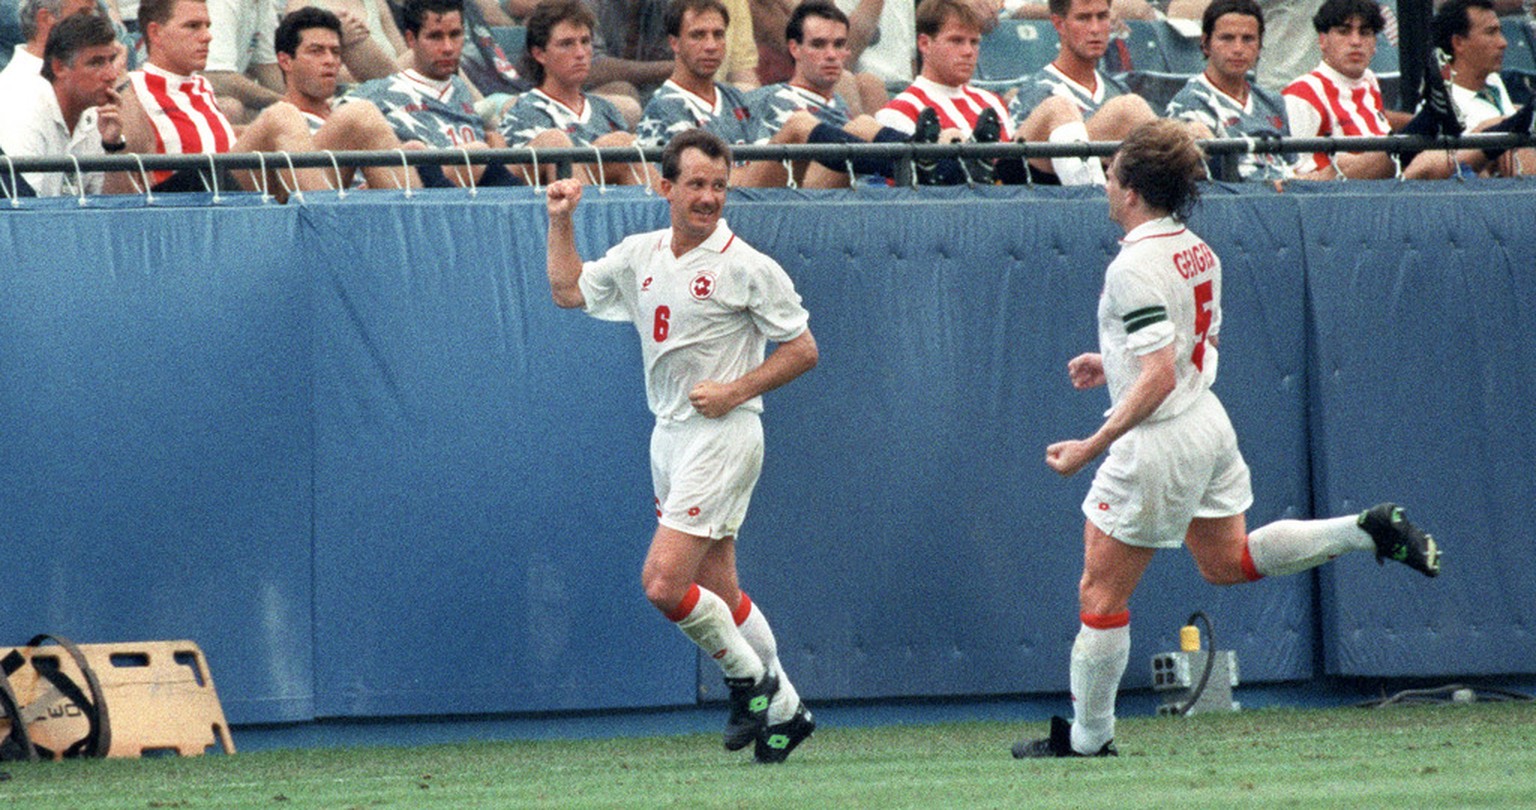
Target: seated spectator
x=808 y=109
x=431 y=105
x=1221 y=102
x=242 y=66
x=308 y=48
x=1469 y=33
x=172 y=111
x=370 y=39
x=557 y=113
x=691 y=98
x=1071 y=100
x=882 y=45
x=1342 y=97
x=22 y=77
x=948 y=40
x=78 y=114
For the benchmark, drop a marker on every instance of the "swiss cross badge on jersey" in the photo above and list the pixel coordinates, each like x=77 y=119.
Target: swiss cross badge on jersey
x=703 y=286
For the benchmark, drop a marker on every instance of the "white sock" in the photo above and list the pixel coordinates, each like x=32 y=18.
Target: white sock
x=703 y=617
x=755 y=629
x=1289 y=546
x=1070 y=170
x=1099 y=656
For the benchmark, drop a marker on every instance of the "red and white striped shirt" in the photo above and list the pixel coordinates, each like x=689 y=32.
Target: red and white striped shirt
x=183 y=114
x=957 y=107
x=1326 y=103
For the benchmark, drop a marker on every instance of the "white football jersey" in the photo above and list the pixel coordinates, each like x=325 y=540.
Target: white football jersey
x=1164 y=287
x=706 y=315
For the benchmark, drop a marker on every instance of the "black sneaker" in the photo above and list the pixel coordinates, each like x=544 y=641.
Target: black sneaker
x=779 y=739
x=1059 y=744
x=928 y=130
x=749 y=709
x=1400 y=540
x=1437 y=100
x=987 y=130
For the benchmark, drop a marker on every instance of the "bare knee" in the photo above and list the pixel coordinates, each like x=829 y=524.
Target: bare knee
x=663 y=589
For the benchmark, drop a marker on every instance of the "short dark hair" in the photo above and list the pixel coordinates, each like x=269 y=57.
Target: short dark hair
x=672 y=20
x=794 y=30
x=1161 y=162
x=1220 y=8
x=71 y=35
x=1059 y=8
x=541 y=23
x=703 y=140
x=159 y=11
x=414 y=12
x=1335 y=13
x=1454 y=20
x=931 y=15
x=290 y=32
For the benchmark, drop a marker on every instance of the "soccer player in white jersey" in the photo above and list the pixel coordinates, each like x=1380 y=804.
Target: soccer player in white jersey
x=705 y=304
x=1174 y=473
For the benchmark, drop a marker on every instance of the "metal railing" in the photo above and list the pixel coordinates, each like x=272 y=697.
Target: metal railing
x=903 y=154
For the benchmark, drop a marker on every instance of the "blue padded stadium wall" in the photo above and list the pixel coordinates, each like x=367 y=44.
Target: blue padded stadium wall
x=363 y=460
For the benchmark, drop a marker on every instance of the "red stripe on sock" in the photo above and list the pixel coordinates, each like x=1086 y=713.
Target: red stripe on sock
x=1106 y=621
x=743 y=609
x=1250 y=571
x=685 y=607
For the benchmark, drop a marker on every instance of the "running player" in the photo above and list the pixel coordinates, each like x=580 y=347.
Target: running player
x=1174 y=473
x=705 y=304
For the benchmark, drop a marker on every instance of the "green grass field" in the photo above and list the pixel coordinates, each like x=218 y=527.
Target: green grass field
x=1419 y=756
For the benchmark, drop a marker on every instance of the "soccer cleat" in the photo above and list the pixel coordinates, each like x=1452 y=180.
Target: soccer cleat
x=1059 y=744
x=778 y=740
x=987 y=130
x=749 y=709
x=1400 y=540
x=928 y=129
x=1437 y=100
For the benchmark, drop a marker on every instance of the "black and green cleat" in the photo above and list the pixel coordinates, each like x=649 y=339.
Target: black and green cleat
x=1397 y=539
x=779 y=739
x=1059 y=744
x=749 y=709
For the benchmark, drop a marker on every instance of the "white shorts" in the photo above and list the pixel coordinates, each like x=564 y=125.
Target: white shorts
x=1163 y=474
x=703 y=471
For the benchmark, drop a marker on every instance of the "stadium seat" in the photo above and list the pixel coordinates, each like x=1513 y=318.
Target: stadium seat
x=1014 y=50
x=1519 y=71
x=1141 y=50
x=513 y=40
x=1180 y=53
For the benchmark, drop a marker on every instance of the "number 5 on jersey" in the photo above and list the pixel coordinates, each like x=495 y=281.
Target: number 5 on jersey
x=1203 y=293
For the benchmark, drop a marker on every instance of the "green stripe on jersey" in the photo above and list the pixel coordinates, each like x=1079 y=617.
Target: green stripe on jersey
x=1144 y=317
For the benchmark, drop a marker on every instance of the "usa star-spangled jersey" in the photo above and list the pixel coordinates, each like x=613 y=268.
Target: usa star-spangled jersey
x=672 y=110
x=1262 y=115
x=772 y=105
x=1164 y=287
x=706 y=315
x=440 y=114
x=1049 y=81
x=537 y=112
